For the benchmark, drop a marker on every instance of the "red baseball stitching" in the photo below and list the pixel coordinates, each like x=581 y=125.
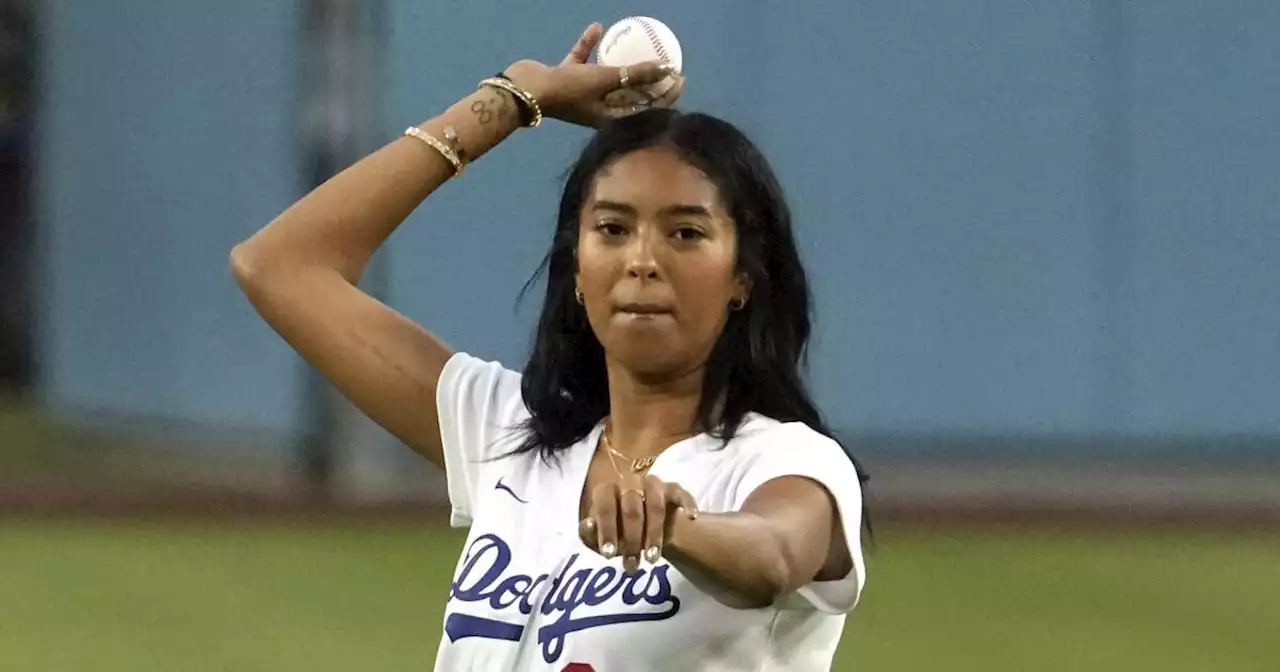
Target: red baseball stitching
x=653 y=38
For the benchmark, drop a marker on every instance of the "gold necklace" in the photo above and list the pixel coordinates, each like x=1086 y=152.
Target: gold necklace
x=638 y=464
x=613 y=462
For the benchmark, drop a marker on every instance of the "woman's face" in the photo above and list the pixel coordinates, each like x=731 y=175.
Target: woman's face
x=656 y=262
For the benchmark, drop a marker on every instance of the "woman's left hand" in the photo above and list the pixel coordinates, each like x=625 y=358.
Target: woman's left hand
x=634 y=520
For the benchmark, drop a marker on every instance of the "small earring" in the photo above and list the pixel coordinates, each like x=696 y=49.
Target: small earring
x=737 y=304
x=577 y=294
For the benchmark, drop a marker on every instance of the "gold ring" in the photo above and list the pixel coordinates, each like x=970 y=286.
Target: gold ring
x=638 y=492
x=623 y=76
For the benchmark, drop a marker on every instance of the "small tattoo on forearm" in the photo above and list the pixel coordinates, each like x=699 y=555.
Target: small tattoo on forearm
x=494 y=107
x=482 y=112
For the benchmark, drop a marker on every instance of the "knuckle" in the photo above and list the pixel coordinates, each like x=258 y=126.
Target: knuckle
x=602 y=510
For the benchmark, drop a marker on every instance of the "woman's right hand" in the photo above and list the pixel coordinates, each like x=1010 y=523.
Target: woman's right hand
x=589 y=94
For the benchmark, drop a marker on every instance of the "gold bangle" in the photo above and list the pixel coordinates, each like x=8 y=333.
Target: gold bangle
x=451 y=139
x=444 y=150
x=520 y=94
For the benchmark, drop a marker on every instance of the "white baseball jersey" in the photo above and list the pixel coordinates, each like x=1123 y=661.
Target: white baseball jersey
x=528 y=595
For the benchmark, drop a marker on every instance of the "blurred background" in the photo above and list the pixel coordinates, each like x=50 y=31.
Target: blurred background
x=1044 y=239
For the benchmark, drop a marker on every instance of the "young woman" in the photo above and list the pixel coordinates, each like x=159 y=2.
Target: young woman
x=656 y=490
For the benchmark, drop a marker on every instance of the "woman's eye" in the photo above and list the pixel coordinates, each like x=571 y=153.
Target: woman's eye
x=610 y=228
x=689 y=233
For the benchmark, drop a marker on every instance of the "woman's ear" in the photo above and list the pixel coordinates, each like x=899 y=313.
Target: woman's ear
x=743 y=287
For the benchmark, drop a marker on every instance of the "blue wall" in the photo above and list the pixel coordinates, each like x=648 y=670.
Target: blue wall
x=1201 y=225
x=1035 y=217
x=167 y=136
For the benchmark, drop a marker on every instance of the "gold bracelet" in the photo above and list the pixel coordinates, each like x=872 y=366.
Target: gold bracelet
x=451 y=139
x=445 y=150
x=520 y=94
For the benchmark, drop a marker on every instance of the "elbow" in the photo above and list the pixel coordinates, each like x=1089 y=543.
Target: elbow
x=244 y=263
x=778 y=574
x=775 y=585
x=253 y=268
x=761 y=595
x=768 y=585
x=256 y=263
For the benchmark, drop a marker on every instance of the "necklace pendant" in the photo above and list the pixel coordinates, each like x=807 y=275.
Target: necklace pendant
x=640 y=464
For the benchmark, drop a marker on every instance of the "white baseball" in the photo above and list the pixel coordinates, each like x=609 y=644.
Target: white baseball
x=637 y=39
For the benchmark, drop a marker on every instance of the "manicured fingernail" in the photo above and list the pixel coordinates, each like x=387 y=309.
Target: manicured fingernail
x=589 y=523
x=693 y=515
x=666 y=68
x=608 y=549
x=651 y=554
x=630 y=564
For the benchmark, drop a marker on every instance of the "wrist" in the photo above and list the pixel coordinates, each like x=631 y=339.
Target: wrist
x=527 y=109
x=529 y=77
x=678 y=534
x=479 y=121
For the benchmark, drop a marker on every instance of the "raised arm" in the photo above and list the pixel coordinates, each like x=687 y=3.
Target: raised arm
x=301 y=271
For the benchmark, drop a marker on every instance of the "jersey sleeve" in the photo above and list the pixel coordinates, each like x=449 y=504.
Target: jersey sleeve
x=794 y=449
x=479 y=404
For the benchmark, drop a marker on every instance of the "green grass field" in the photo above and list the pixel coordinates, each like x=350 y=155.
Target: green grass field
x=273 y=597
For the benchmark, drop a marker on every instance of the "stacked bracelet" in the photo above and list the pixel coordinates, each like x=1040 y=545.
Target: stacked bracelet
x=530 y=112
x=451 y=148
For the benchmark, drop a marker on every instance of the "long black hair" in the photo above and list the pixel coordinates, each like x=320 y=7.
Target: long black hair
x=755 y=366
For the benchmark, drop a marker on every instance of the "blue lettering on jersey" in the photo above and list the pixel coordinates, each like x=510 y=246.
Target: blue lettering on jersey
x=481 y=580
